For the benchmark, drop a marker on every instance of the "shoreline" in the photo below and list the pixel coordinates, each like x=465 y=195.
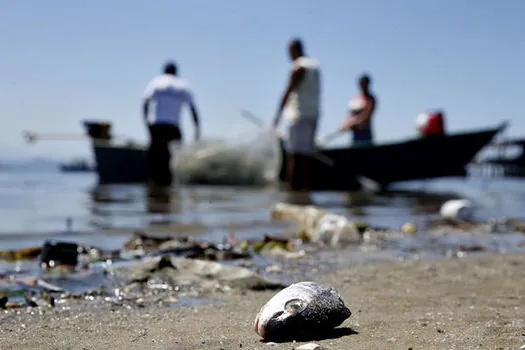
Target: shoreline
x=473 y=302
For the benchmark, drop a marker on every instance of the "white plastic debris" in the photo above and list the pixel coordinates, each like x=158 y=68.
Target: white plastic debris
x=462 y=209
x=317 y=224
x=334 y=228
x=309 y=346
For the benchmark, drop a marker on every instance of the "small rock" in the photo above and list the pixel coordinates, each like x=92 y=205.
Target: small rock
x=271 y=343
x=309 y=346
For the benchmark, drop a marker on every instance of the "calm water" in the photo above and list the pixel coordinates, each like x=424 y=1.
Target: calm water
x=34 y=206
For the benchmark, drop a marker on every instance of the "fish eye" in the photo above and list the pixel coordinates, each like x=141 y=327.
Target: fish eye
x=295 y=305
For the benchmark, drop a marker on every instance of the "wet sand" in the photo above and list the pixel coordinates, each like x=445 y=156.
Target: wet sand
x=442 y=304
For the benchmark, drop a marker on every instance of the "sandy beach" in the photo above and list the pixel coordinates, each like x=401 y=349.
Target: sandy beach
x=441 y=304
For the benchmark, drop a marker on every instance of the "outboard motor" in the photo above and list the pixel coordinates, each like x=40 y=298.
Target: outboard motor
x=98 y=130
x=431 y=123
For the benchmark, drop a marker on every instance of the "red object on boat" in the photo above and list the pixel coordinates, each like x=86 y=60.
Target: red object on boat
x=433 y=124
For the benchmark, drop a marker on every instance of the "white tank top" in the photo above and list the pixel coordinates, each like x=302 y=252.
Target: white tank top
x=305 y=100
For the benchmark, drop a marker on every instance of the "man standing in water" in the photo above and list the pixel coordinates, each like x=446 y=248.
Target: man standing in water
x=360 y=111
x=301 y=106
x=168 y=93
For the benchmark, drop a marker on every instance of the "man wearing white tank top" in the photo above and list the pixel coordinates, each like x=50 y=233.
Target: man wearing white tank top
x=168 y=94
x=301 y=106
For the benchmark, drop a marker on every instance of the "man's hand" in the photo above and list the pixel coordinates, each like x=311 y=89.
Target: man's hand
x=197 y=134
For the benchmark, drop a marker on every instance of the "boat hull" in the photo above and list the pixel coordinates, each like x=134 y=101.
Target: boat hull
x=502 y=163
x=120 y=164
x=422 y=158
x=417 y=159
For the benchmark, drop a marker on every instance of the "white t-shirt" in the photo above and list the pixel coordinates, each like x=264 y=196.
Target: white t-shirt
x=167 y=94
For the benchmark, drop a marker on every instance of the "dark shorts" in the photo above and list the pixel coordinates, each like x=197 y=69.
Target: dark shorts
x=159 y=155
x=362 y=137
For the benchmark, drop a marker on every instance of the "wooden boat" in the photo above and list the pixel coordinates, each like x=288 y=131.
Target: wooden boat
x=414 y=159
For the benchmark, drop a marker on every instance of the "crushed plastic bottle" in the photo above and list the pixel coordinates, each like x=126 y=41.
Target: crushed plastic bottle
x=335 y=229
x=318 y=225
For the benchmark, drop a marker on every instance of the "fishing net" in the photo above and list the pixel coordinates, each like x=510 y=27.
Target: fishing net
x=251 y=158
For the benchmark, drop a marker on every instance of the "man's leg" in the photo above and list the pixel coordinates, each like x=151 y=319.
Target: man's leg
x=301 y=145
x=294 y=171
x=158 y=155
x=307 y=171
x=307 y=157
x=172 y=134
x=294 y=144
x=153 y=154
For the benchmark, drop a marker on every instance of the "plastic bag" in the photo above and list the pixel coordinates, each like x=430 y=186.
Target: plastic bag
x=252 y=158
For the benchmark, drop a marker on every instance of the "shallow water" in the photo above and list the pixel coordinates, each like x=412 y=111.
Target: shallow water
x=35 y=206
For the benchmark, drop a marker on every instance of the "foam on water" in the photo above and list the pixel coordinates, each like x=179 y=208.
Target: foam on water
x=251 y=158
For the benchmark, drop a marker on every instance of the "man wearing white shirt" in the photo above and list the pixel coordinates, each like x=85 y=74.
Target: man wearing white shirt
x=166 y=94
x=301 y=106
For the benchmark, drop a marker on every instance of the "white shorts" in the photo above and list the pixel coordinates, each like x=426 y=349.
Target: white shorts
x=301 y=136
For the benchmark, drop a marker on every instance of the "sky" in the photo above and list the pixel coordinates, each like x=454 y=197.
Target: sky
x=66 y=61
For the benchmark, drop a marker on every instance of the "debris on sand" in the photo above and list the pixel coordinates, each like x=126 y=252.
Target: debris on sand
x=185 y=247
x=318 y=225
x=309 y=346
x=20 y=254
x=269 y=246
x=183 y=271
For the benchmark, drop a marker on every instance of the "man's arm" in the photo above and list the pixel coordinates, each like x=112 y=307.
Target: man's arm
x=145 y=106
x=195 y=115
x=295 y=78
x=148 y=94
x=364 y=115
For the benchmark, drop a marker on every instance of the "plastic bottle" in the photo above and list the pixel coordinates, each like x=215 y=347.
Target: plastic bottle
x=333 y=229
x=461 y=209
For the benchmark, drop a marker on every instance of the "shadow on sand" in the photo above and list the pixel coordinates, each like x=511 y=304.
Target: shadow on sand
x=335 y=333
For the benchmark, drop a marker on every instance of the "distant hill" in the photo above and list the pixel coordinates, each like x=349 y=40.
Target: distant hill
x=18 y=159
x=29 y=163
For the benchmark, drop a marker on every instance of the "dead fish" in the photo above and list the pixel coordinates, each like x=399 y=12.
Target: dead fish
x=301 y=308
